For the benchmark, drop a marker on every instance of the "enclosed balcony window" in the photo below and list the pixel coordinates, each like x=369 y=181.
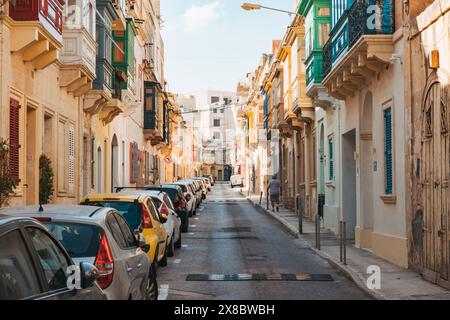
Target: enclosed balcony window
x=49 y=12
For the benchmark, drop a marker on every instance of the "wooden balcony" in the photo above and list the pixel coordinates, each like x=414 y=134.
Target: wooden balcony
x=36 y=31
x=78 y=56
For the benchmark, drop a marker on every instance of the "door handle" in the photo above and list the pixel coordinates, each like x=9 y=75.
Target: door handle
x=129 y=269
x=139 y=265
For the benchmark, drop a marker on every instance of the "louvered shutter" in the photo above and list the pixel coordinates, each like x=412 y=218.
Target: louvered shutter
x=388 y=150
x=71 y=159
x=14 y=126
x=330 y=151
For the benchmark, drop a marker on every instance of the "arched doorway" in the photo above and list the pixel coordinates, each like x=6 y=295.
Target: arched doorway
x=114 y=163
x=435 y=182
x=99 y=169
x=367 y=168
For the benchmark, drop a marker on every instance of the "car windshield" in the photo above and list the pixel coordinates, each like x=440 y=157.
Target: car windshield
x=131 y=211
x=79 y=240
x=182 y=186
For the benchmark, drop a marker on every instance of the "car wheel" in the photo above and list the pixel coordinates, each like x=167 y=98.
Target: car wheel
x=194 y=213
x=163 y=261
x=151 y=292
x=190 y=213
x=178 y=243
x=232 y=186
x=171 y=248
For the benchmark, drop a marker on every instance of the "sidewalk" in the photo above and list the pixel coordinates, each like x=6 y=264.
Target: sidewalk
x=396 y=283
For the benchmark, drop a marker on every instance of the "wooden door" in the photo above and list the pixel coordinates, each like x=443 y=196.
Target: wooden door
x=435 y=175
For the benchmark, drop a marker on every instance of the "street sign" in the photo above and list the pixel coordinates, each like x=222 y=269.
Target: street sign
x=168 y=159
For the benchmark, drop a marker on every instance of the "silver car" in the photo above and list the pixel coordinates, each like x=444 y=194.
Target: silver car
x=102 y=237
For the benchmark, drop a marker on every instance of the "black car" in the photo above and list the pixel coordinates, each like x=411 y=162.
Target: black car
x=176 y=194
x=34 y=265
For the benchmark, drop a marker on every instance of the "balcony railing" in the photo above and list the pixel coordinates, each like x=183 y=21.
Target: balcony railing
x=370 y=17
x=364 y=17
x=46 y=11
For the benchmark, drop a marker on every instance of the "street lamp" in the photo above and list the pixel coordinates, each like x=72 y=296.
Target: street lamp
x=256 y=6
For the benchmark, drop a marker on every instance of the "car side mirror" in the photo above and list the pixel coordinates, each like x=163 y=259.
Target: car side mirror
x=89 y=274
x=163 y=218
x=142 y=244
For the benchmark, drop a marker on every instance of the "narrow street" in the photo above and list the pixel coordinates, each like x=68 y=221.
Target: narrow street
x=229 y=236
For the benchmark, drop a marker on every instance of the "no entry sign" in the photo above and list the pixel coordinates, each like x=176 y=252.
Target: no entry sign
x=168 y=159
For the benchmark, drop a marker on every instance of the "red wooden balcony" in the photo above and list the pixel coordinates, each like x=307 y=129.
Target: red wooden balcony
x=48 y=12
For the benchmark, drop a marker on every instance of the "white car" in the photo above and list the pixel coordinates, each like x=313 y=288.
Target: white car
x=165 y=207
x=236 y=181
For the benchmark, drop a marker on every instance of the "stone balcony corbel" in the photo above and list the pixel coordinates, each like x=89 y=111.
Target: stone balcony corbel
x=358 y=68
x=75 y=80
x=110 y=110
x=94 y=101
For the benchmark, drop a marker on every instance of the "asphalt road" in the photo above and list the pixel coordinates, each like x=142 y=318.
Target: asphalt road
x=229 y=236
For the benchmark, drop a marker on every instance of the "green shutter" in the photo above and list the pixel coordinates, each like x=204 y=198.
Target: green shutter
x=330 y=151
x=388 y=150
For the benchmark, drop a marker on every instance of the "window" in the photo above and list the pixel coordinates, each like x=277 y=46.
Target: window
x=92 y=162
x=215 y=110
x=114 y=228
x=331 y=157
x=71 y=159
x=323 y=12
x=388 y=169
x=215 y=100
x=324 y=31
x=149 y=100
x=216 y=122
x=52 y=259
x=18 y=278
x=222 y=110
x=216 y=135
x=130 y=241
x=79 y=240
x=62 y=162
x=153 y=210
x=14 y=136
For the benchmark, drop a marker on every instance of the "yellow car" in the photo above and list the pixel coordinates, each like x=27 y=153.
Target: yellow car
x=142 y=216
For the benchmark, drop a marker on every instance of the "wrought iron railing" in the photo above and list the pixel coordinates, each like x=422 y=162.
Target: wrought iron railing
x=370 y=17
x=327 y=57
x=364 y=17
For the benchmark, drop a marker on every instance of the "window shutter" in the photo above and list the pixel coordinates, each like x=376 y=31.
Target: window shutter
x=388 y=150
x=71 y=156
x=330 y=151
x=14 y=126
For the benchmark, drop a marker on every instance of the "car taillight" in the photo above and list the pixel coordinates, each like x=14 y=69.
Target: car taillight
x=146 y=220
x=104 y=263
x=181 y=203
x=164 y=210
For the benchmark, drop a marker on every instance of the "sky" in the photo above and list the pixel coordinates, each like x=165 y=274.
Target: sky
x=213 y=44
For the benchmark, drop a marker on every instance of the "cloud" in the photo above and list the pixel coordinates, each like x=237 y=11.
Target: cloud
x=200 y=16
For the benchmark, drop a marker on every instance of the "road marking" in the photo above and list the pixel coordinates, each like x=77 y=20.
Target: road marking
x=163 y=292
x=201 y=208
x=196 y=218
x=177 y=261
x=194 y=225
x=184 y=245
x=191 y=233
x=259 y=277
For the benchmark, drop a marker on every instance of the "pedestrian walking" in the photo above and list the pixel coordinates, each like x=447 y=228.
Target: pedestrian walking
x=274 y=190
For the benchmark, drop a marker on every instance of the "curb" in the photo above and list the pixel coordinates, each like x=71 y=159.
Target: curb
x=348 y=272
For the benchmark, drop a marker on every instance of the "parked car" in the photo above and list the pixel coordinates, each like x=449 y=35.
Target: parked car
x=211 y=178
x=236 y=181
x=197 y=191
x=102 y=237
x=207 y=183
x=202 y=186
x=188 y=196
x=176 y=195
x=167 y=211
x=142 y=216
x=34 y=265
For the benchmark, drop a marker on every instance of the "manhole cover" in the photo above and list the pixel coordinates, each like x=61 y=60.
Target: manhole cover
x=260 y=277
x=236 y=229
